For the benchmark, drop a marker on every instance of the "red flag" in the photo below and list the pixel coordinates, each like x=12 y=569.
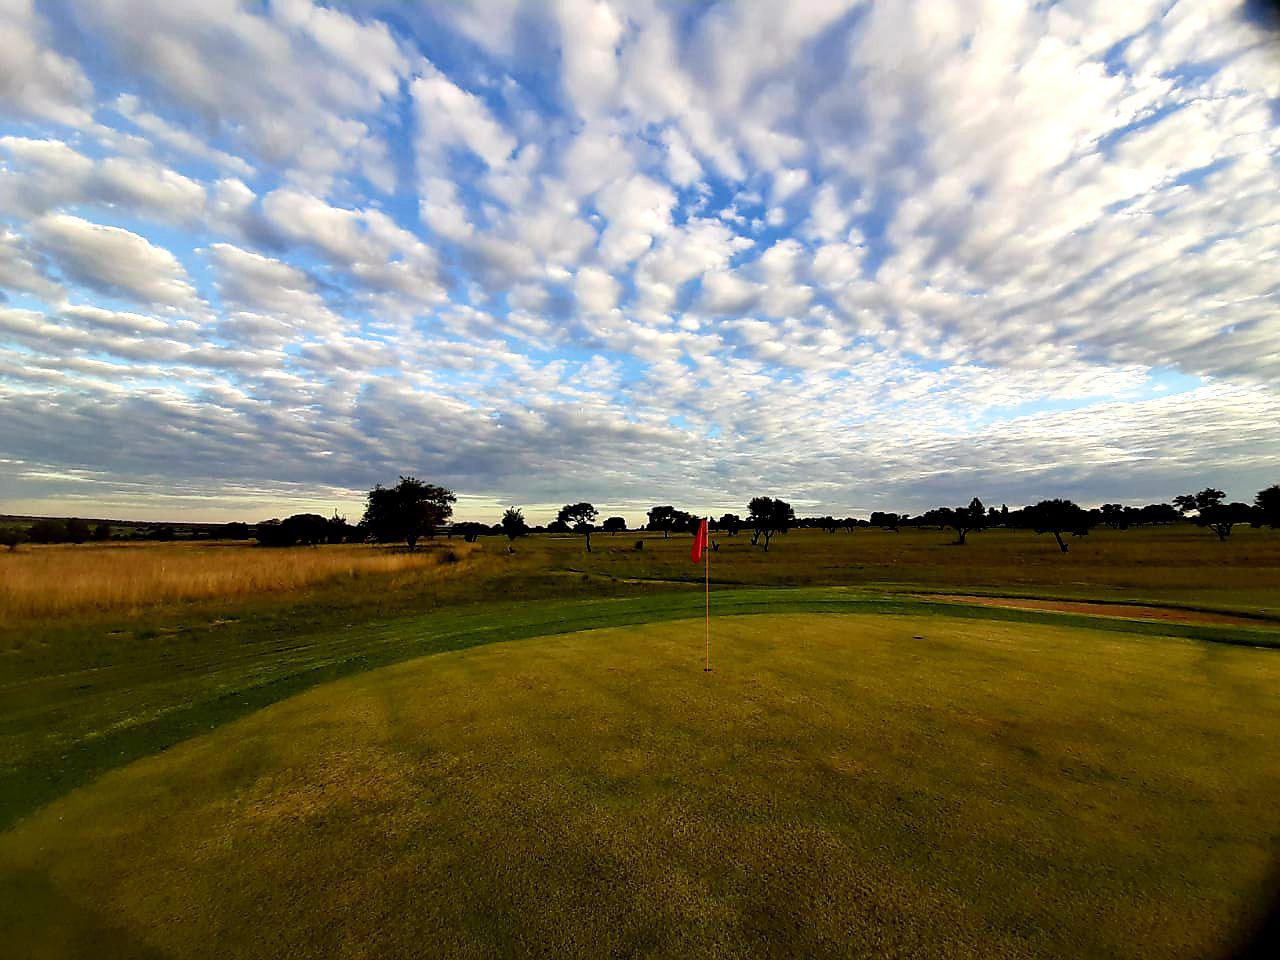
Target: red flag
x=699 y=543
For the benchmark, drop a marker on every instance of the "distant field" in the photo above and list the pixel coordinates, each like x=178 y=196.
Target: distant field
x=882 y=785
x=69 y=580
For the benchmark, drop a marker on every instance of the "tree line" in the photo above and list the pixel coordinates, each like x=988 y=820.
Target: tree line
x=413 y=510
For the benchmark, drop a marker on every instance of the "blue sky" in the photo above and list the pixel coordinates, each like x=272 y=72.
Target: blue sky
x=862 y=255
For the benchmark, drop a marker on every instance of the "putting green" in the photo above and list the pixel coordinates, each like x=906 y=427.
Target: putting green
x=841 y=785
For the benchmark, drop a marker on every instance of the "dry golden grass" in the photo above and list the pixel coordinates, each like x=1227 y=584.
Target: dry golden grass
x=55 y=580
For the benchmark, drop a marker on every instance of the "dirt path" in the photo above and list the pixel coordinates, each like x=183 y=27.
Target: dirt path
x=1126 y=611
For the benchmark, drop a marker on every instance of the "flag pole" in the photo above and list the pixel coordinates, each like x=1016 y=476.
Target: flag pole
x=707 y=582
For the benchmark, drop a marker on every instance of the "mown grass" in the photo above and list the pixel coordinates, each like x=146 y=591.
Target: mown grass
x=889 y=785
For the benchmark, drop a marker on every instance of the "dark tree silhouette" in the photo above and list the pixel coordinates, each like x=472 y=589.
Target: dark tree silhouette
x=848 y=524
x=580 y=518
x=1267 y=506
x=1058 y=517
x=613 y=525
x=965 y=520
x=730 y=523
x=1115 y=516
x=767 y=516
x=513 y=525
x=78 y=531
x=1211 y=512
x=887 y=521
x=10 y=537
x=102 y=532
x=662 y=518
x=470 y=530
x=47 y=531
x=408 y=511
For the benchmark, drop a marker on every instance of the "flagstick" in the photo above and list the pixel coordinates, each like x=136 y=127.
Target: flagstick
x=707 y=554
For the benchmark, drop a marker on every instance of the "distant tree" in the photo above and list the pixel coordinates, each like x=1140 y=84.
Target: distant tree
x=662 y=518
x=165 y=533
x=470 y=531
x=47 y=531
x=232 y=531
x=513 y=525
x=1204 y=500
x=848 y=524
x=1267 y=506
x=965 y=520
x=614 y=525
x=768 y=516
x=78 y=531
x=557 y=526
x=1057 y=517
x=337 y=530
x=10 y=537
x=1115 y=516
x=1211 y=512
x=684 y=522
x=829 y=524
x=886 y=521
x=102 y=532
x=730 y=523
x=408 y=511
x=580 y=518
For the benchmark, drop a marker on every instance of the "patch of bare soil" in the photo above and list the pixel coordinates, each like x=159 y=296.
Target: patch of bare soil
x=1124 y=611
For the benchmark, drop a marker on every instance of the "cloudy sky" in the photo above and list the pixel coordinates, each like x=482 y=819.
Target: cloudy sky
x=256 y=256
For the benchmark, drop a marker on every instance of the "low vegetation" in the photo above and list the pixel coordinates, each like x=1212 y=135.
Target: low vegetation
x=890 y=785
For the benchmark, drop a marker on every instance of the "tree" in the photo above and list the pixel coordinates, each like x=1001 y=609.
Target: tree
x=829 y=524
x=767 y=516
x=1211 y=512
x=1115 y=516
x=10 y=537
x=1058 y=517
x=662 y=518
x=513 y=525
x=614 y=525
x=102 y=532
x=47 y=531
x=408 y=511
x=580 y=518
x=965 y=520
x=731 y=523
x=78 y=531
x=1267 y=506
x=886 y=521
x=849 y=524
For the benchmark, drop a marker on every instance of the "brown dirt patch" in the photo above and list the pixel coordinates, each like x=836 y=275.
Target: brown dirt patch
x=1123 y=611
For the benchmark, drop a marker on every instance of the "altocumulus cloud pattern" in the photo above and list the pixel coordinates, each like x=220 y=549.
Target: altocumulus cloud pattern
x=263 y=254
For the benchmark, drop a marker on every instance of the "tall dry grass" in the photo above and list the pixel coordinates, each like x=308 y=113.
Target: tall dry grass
x=49 y=581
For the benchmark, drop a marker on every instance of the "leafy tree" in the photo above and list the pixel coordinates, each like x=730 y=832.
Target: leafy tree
x=1267 y=506
x=102 y=532
x=580 y=518
x=768 y=516
x=886 y=521
x=614 y=525
x=730 y=523
x=1115 y=516
x=232 y=531
x=78 y=531
x=10 y=537
x=662 y=518
x=557 y=526
x=965 y=520
x=1058 y=517
x=408 y=511
x=848 y=524
x=470 y=531
x=829 y=524
x=1211 y=512
x=337 y=530
x=513 y=524
x=47 y=531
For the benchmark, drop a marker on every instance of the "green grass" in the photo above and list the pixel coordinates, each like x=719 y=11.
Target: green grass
x=909 y=783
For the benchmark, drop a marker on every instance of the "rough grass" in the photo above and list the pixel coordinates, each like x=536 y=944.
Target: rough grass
x=840 y=786
x=69 y=580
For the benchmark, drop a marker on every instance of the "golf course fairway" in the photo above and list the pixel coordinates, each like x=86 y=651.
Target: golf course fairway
x=839 y=785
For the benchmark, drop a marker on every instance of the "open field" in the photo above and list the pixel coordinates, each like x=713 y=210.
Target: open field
x=841 y=785
x=59 y=581
x=116 y=695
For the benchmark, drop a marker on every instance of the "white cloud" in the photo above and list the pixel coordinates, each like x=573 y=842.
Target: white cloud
x=35 y=81
x=113 y=261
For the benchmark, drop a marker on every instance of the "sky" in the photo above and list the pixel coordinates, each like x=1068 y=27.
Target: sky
x=256 y=257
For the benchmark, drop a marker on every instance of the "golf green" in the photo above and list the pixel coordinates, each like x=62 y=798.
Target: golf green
x=840 y=785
